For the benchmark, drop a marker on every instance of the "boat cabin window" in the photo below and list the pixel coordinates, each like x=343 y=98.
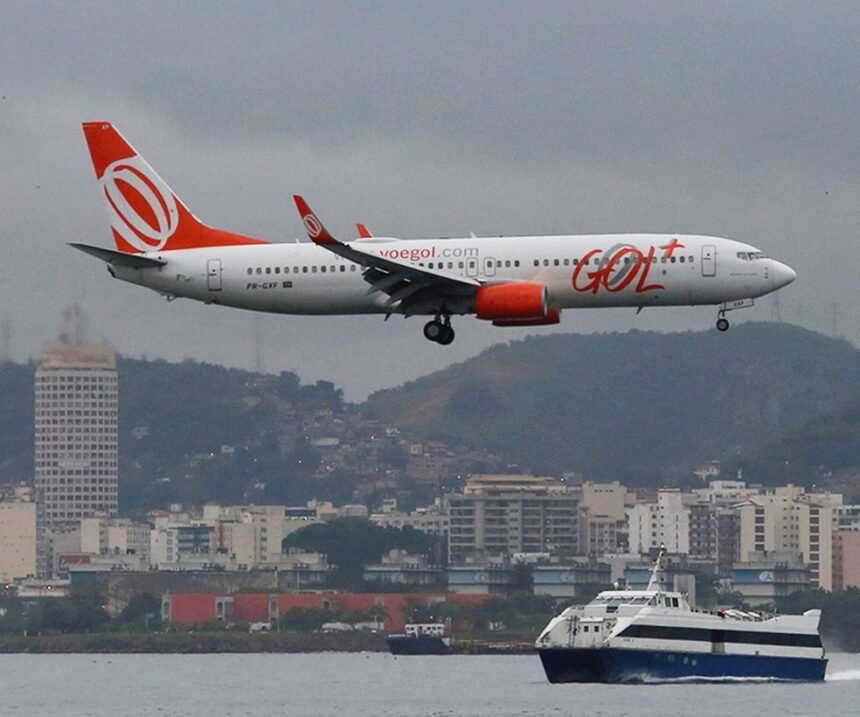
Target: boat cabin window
x=616 y=600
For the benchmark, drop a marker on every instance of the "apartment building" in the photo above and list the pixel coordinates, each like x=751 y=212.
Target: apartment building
x=787 y=519
x=603 y=518
x=661 y=523
x=17 y=535
x=499 y=515
x=75 y=438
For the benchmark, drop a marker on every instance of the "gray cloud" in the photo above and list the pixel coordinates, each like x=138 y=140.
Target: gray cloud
x=730 y=118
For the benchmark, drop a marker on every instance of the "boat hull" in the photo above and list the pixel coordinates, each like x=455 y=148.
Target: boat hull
x=423 y=645
x=614 y=665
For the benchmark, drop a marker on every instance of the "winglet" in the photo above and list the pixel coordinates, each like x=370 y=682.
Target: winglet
x=314 y=227
x=363 y=231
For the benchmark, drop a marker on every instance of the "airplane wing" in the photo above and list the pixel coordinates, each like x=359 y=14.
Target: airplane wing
x=409 y=287
x=119 y=258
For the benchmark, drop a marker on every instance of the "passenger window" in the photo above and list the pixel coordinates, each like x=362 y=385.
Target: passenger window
x=460 y=264
x=546 y=262
x=332 y=268
x=537 y=263
x=450 y=264
x=314 y=269
x=352 y=268
x=250 y=270
x=662 y=259
x=286 y=270
x=508 y=264
x=304 y=270
x=516 y=262
x=342 y=267
x=295 y=270
x=259 y=270
x=555 y=262
x=682 y=259
x=268 y=270
x=575 y=262
x=566 y=262
x=690 y=259
x=277 y=270
x=323 y=269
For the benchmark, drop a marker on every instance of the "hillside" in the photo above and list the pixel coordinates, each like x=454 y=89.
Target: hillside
x=632 y=406
x=778 y=401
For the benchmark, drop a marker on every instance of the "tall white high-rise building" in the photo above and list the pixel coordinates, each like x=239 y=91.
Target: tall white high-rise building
x=665 y=523
x=76 y=435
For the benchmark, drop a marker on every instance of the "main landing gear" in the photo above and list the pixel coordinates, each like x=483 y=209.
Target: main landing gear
x=722 y=322
x=439 y=330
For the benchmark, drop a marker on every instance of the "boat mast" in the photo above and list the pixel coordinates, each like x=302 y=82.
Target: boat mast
x=654 y=583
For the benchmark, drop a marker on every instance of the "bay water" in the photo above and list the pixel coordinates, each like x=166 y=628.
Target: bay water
x=343 y=685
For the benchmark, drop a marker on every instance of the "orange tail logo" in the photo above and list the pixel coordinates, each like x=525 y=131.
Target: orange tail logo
x=145 y=214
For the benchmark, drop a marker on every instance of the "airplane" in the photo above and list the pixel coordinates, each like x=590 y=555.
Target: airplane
x=507 y=280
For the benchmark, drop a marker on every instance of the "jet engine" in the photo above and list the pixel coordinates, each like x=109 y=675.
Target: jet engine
x=523 y=304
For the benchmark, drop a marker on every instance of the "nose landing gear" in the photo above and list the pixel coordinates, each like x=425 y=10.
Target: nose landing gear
x=722 y=321
x=439 y=330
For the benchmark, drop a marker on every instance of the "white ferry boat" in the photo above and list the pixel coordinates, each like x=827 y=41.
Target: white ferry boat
x=652 y=634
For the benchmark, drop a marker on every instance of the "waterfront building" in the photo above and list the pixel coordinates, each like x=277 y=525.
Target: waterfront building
x=432 y=519
x=846 y=559
x=115 y=537
x=75 y=437
x=500 y=515
x=570 y=579
x=17 y=535
x=398 y=567
x=766 y=576
x=787 y=519
x=662 y=523
x=603 y=518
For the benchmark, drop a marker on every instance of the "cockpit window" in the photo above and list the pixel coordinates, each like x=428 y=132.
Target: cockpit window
x=750 y=255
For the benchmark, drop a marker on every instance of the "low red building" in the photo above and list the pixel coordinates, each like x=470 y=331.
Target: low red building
x=190 y=609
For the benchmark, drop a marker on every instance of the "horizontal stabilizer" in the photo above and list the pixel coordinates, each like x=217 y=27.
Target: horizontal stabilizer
x=119 y=258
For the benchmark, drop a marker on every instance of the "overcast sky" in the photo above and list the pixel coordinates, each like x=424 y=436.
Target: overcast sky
x=737 y=119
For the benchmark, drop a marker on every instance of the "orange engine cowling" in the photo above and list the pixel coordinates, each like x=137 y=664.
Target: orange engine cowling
x=515 y=305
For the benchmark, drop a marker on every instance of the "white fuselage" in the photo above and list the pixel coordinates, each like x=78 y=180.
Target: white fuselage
x=586 y=271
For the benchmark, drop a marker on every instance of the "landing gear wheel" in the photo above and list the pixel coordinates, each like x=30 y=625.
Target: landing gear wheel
x=447 y=336
x=433 y=330
x=722 y=324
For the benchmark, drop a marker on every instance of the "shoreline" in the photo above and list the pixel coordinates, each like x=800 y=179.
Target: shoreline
x=203 y=643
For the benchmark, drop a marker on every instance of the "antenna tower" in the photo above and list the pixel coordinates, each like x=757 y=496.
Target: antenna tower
x=834 y=327
x=5 y=340
x=259 y=366
x=775 y=315
x=74 y=328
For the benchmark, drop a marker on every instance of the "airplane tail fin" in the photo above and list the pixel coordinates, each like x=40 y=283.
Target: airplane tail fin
x=145 y=214
x=363 y=231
